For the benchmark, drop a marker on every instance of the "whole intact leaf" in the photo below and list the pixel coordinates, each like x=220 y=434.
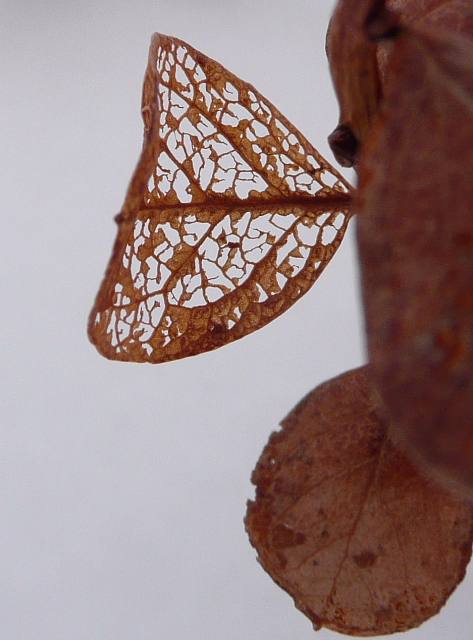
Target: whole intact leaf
x=415 y=236
x=230 y=217
x=344 y=521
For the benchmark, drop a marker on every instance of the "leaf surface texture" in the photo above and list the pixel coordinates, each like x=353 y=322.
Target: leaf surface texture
x=230 y=217
x=345 y=522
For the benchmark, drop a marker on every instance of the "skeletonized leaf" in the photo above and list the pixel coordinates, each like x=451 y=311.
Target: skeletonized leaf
x=230 y=217
x=415 y=237
x=346 y=524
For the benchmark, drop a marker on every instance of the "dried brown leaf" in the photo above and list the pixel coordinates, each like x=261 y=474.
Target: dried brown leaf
x=416 y=247
x=230 y=217
x=354 y=67
x=359 y=64
x=451 y=15
x=347 y=525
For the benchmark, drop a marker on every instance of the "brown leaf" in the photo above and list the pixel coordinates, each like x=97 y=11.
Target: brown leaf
x=354 y=68
x=359 y=64
x=451 y=15
x=416 y=247
x=346 y=524
x=230 y=217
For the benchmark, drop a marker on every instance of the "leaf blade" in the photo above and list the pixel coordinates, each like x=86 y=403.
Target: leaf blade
x=346 y=524
x=185 y=270
x=415 y=247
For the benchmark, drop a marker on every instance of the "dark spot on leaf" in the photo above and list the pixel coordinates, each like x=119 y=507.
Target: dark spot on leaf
x=383 y=614
x=365 y=559
x=284 y=537
x=463 y=241
x=218 y=328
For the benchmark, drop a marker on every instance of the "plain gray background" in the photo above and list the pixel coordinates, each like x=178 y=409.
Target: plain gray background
x=122 y=486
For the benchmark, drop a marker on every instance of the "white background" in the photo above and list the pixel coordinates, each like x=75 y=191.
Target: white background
x=122 y=486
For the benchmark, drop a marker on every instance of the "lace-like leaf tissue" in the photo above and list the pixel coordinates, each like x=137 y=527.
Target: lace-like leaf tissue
x=230 y=217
